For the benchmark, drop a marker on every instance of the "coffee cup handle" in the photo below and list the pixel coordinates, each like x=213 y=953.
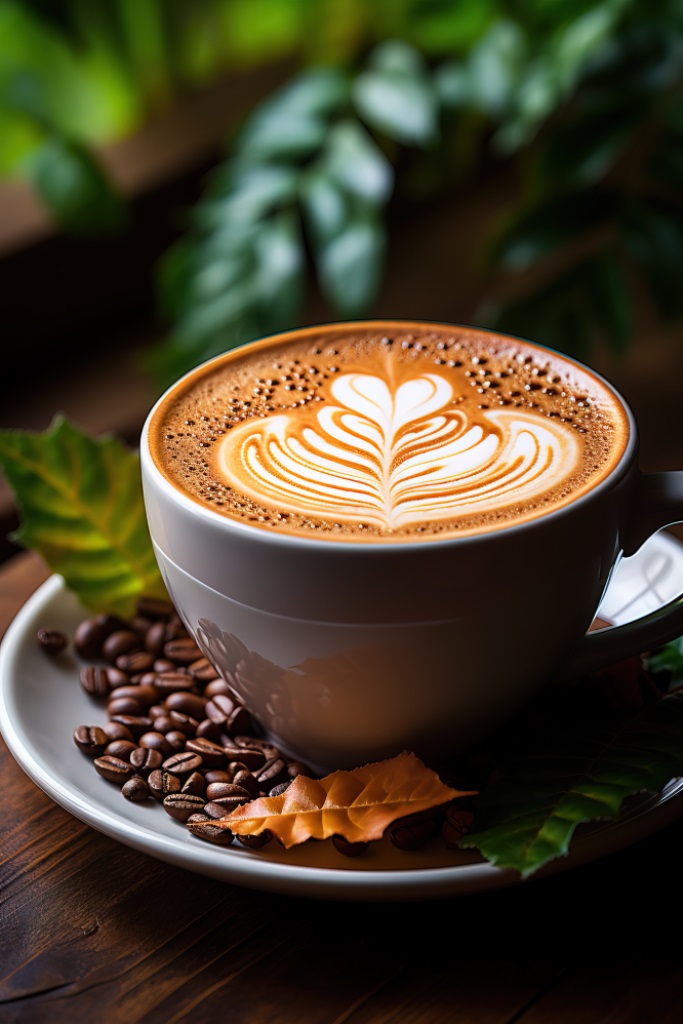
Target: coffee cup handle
x=658 y=504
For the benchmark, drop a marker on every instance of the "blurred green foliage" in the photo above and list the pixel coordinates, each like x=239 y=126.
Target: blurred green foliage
x=580 y=102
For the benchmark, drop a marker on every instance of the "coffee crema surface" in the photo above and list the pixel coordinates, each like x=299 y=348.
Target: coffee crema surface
x=387 y=430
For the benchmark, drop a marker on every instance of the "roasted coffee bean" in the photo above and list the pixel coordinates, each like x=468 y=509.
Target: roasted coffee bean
x=202 y=670
x=140 y=623
x=217 y=686
x=52 y=641
x=194 y=783
x=148 y=678
x=182 y=763
x=413 y=830
x=191 y=704
x=154 y=740
x=220 y=790
x=280 y=789
x=248 y=742
x=194 y=819
x=457 y=821
x=184 y=723
x=235 y=767
x=183 y=650
x=182 y=805
x=113 y=769
x=295 y=768
x=121 y=749
x=163 y=723
x=211 y=833
x=155 y=607
x=136 y=723
x=164 y=665
x=91 y=633
x=94 y=681
x=347 y=848
x=141 y=692
x=240 y=722
x=216 y=811
x=219 y=708
x=135 y=662
x=217 y=776
x=226 y=805
x=209 y=730
x=177 y=739
x=212 y=755
x=175 y=682
x=90 y=739
x=176 y=628
x=271 y=773
x=256 y=842
x=116 y=731
x=155 y=638
x=123 y=706
x=121 y=641
x=146 y=759
x=161 y=783
x=136 y=789
x=116 y=677
x=247 y=781
x=251 y=759
x=157 y=711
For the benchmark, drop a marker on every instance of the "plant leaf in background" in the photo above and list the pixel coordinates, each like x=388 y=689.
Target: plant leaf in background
x=81 y=508
x=357 y=804
x=396 y=95
x=304 y=177
x=578 y=763
x=75 y=189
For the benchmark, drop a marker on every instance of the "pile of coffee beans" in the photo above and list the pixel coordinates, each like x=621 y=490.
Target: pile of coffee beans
x=177 y=734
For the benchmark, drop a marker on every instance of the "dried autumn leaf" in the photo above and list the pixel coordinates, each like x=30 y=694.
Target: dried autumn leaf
x=357 y=804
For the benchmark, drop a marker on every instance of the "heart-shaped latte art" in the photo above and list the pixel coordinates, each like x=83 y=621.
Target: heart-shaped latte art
x=396 y=456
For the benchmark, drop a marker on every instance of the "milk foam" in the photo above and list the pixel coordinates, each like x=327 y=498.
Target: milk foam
x=387 y=431
x=396 y=454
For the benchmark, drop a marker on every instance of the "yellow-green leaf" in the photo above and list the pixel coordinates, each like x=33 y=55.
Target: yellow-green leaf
x=80 y=505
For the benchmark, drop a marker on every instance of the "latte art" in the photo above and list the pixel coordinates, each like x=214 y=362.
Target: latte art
x=396 y=456
x=387 y=431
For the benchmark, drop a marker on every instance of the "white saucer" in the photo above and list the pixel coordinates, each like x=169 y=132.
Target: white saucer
x=41 y=703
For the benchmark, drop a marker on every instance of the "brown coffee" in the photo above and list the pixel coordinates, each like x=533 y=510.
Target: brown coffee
x=387 y=431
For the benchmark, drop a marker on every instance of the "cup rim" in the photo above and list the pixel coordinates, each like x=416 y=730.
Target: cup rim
x=611 y=479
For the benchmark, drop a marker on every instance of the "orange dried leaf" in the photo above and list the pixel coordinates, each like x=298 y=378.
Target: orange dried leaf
x=357 y=804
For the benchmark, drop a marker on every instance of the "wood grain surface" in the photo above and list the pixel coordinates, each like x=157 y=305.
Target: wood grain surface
x=93 y=931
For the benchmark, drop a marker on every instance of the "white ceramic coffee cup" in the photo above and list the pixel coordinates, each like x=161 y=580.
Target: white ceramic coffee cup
x=350 y=652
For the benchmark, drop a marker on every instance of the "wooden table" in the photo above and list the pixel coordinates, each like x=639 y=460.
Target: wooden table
x=93 y=931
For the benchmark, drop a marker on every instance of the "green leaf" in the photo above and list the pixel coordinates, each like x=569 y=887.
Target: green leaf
x=240 y=196
x=397 y=97
x=75 y=189
x=280 y=271
x=446 y=28
x=494 y=67
x=578 y=765
x=43 y=75
x=81 y=507
x=357 y=163
x=292 y=123
x=452 y=84
x=325 y=206
x=350 y=266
